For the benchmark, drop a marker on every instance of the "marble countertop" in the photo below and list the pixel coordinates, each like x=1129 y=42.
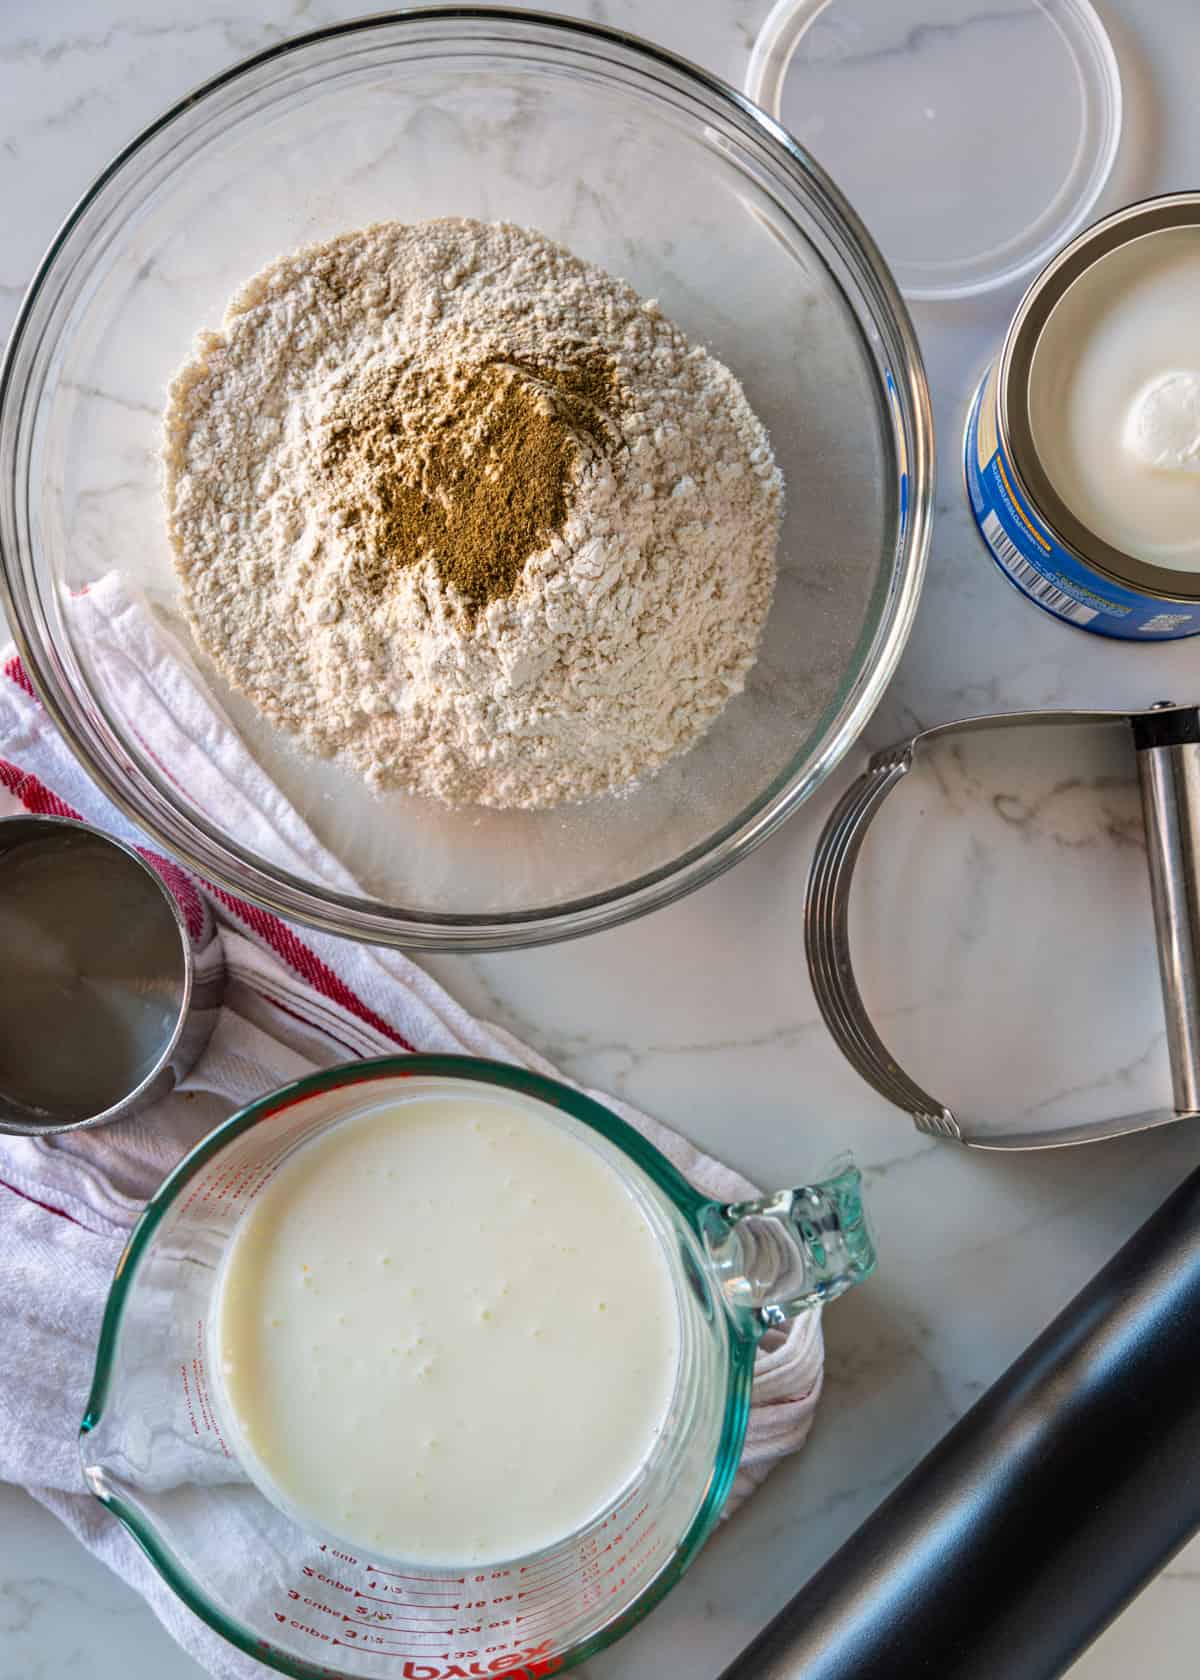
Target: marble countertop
x=1003 y=927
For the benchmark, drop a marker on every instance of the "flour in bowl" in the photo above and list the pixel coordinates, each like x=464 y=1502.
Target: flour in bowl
x=470 y=513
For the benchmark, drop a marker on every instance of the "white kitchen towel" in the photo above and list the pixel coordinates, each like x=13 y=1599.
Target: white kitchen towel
x=296 y=1000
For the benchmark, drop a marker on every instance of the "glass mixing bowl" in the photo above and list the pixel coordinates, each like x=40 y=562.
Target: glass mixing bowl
x=154 y=1444
x=635 y=160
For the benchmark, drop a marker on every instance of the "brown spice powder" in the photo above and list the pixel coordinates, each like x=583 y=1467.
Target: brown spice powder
x=471 y=466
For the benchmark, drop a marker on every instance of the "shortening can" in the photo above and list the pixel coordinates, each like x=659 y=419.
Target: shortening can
x=1042 y=547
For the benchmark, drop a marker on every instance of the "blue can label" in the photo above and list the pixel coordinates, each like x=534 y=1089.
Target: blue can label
x=1030 y=556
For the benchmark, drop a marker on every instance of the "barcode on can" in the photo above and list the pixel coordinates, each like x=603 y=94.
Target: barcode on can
x=1030 y=579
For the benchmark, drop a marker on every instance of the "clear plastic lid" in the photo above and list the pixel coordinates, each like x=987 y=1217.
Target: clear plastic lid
x=973 y=142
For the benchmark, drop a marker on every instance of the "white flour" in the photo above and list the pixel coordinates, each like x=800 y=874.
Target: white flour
x=625 y=637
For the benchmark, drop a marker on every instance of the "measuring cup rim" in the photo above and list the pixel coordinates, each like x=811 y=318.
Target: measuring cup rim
x=114 y=1111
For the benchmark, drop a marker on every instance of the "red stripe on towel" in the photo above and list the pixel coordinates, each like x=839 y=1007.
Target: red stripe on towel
x=59 y=1213
x=286 y=945
x=306 y=1021
x=16 y=673
x=33 y=794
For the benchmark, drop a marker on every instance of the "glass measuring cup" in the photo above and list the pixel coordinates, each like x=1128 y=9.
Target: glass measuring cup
x=156 y=1453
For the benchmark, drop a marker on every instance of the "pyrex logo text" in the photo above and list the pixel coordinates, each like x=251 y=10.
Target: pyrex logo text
x=527 y=1665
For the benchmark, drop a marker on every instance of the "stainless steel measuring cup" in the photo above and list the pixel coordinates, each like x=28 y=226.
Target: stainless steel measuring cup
x=110 y=981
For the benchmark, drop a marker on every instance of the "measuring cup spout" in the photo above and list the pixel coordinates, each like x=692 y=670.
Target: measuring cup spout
x=793 y=1250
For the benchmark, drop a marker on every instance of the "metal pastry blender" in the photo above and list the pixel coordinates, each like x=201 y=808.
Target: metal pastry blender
x=1166 y=742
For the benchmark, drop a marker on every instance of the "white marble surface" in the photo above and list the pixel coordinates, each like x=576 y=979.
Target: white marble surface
x=1027 y=986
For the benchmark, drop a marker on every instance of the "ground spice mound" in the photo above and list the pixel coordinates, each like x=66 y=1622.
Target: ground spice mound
x=469 y=468
x=470 y=513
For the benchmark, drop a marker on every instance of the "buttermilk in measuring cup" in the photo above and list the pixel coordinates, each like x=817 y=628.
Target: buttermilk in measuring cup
x=446 y=1332
x=1083 y=443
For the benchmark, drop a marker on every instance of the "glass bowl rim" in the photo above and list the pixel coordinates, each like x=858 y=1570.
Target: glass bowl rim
x=689 y=1201
x=189 y=835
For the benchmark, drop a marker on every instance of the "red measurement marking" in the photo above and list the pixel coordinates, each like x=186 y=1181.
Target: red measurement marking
x=235 y=1181
x=200 y=1374
x=410 y=1640
x=411 y=1593
x=379 y=1618
x=303 y=1627
x=358 y=1637
x=538 y=1624
x=328 y=1580
x=197 y=1402
x=187 y=1399
x=545 y=1581
x=395 y=1575
x=314 y=1604
x=568 y=1602
x=558 y=1575
x=528 y=1659
x=548 y=1586
x=377 y=1599
x=364 y=1612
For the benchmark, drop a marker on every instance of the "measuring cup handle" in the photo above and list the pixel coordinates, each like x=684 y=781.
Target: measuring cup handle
x=793 y=1250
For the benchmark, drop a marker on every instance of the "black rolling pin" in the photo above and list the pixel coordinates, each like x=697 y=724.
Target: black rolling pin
x=1031 y=1525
